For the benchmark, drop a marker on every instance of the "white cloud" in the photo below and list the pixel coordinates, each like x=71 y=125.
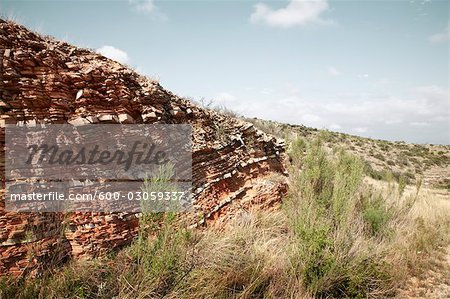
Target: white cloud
x=266 y=91
x=433 y=93
x=145 y=6
x=296 y=13
x=148 y=7
x=114 y=54
x=360 y=130
x=420 y=124
x=365 y=76
x=441 y=37
x=335 y=127
x=224 y=98
x=310 y=118
x=392 y=121
x=381 y=116
x=333 y=71
x=382 y=81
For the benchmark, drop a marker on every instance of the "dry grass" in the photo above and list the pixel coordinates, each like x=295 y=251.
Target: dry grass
x=337 y=235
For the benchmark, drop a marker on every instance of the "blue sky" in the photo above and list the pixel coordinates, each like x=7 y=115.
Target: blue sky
x=372 y=68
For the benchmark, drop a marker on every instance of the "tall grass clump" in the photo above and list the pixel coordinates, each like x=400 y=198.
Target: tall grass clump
x=163 y=253
x=347 y=236
x=247 y=260
x=156 y=264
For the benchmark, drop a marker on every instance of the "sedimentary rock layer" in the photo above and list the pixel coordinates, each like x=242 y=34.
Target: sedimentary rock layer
x=235 y=166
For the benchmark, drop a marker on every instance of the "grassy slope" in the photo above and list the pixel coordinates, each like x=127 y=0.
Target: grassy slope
x=429 y=163
x=338 y=234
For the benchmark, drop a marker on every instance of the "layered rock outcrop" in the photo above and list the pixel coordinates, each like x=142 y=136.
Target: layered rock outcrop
x=235 y=166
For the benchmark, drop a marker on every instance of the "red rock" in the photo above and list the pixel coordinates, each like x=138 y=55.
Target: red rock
x=41 y=83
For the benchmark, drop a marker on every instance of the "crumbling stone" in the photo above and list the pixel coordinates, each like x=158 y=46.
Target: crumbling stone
x=48 y=81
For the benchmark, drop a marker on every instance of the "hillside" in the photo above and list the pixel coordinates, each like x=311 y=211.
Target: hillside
x=280 y=211
x=45 y=81
x=428 y=163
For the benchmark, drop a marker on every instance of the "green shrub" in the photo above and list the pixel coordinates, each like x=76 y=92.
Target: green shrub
x=376 y=214
x=347 y=236
x=379 y=157
x=325 y=212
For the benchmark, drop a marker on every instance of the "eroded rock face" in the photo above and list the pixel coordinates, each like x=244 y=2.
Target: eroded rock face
x=42 y=80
